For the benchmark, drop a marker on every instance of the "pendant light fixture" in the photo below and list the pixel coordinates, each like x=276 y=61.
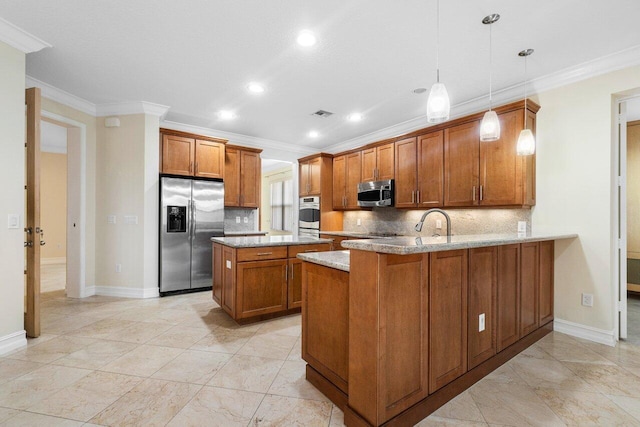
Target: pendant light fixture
x=438 y=105
x=526 y=142
x=490 y=126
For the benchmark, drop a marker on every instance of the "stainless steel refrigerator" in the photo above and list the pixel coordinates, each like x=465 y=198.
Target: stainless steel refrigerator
x=191 y=212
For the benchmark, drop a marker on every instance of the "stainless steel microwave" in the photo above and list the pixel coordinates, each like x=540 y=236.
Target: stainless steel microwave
x=376 y=193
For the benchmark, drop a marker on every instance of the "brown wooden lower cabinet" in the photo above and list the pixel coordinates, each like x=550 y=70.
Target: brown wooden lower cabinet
x=483 y=272
x=253 y=282
x=408 y=339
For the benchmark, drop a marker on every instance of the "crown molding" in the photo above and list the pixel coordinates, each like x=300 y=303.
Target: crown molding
x=20 y=39
x=125 y=108
x=62 y=97
x=606 y=64
x=237 y=138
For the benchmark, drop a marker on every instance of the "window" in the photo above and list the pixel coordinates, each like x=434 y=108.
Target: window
x=282 y=205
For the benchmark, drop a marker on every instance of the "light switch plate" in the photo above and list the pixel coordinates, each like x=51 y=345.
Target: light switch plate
x=246 y=220
x=111 y=219
x=438 y=223
x=131 y=219
x=229 y=264
x=522 y=226
x=237 y=220
x=481 y=325
x=13 y=221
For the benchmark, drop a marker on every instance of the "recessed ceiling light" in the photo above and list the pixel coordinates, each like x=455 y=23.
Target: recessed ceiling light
x=313 y=134
x=254 y=87
x=226 y=115
x=354 y=117
x=306 y=38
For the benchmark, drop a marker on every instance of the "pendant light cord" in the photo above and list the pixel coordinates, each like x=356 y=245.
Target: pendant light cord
x=490 y=66
x=525 y=92
x=438 y=41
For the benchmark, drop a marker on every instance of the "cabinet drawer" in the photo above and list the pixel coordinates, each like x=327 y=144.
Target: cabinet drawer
x=296 y=249
x=262 y=253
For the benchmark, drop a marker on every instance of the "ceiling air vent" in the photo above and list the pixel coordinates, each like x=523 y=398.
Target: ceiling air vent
x=322 y=113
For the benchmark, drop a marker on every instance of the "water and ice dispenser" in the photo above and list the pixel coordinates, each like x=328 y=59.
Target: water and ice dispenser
x=176 y=219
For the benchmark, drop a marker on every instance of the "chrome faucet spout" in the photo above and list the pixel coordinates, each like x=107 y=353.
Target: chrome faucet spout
x=430 y=211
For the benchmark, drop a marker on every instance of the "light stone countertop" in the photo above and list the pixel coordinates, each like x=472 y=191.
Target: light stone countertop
x=359 y=234
x=334 y=259
x=414 y=245
x=261 y=241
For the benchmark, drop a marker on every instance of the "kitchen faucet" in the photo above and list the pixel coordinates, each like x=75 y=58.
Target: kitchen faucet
x=424 y=216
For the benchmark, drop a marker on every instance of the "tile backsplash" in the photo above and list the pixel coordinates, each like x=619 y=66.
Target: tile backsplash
x=230 y=215
x=464 y=221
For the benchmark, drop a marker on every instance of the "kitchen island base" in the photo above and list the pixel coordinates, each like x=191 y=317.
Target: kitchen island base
x=420 y=328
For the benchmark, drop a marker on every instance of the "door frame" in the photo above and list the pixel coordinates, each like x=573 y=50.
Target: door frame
x=619 y=214
x=77 y=245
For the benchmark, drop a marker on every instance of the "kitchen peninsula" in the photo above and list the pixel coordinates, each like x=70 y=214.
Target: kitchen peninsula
x=396 y=327
x=259 y=277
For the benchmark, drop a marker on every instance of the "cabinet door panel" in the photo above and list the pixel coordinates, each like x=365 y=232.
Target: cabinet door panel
x=218 y=270
x=368 y=164
x=528 y=288
x=385 y=162
x=232 y=177
x=447 y=317
x=461 y=164
x=229 y=281
x=546 y=282
x=177 y=155
x=262 y=287
x=294 y=285
x=406 y=173
x=304 y=179
x=209 y=159
x=250 y=177
x=353 y=178
x=431 y=170
x=508 y=295
x=483 y=264
x=500 y=166
x=315 y=167
x=339 y=176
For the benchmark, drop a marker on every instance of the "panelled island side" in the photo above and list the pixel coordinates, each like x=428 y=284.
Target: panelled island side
x=394 y=328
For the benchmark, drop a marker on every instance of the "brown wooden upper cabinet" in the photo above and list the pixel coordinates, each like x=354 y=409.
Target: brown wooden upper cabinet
x=242 y=182
x=488 y=173
x=419 y=171
x=378 y=163
x=310 y=177
x=346 y=177
x=191 y=155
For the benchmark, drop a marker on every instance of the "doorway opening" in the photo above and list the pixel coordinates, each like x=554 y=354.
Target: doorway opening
x=279 y=206
x=53 y=206
x=630 y=112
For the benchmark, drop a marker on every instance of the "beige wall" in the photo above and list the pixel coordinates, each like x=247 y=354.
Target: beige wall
x=12 y=138
x=53 y=205
x=127 y=185
x=267 y=179
x=633 y=190
x=574 y=192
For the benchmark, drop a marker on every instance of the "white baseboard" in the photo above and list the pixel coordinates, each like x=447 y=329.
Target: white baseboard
x=60 y=260
x=88 y=291
x=13 y=341
x=585 y=332
x=121 y=292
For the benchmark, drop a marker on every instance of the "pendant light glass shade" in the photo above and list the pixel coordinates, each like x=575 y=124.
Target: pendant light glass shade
x=490 y=127
x=526 y=143
x=438 y=105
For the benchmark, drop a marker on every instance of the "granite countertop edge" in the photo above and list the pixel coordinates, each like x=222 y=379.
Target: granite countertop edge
x=262 y=241
x=415 y=245
x=333 y=259
x=243 y=233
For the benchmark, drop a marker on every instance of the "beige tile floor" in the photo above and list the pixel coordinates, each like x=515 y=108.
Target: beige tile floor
x=181 y=361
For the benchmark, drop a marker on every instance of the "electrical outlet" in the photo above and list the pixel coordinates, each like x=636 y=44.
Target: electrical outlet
x=118 y=268
x=587 y=300
x=237 y=220
x=228 y=264
x=481 y=323
x=358 y=221
x=438 y=223
x=246 y=220
x=522 y=226
x=111 y=219
x=13 y=221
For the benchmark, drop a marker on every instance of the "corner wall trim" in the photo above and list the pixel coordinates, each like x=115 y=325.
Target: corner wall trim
x=122 y=292
x=13 y=341
x=18 y=38
x=590 y=333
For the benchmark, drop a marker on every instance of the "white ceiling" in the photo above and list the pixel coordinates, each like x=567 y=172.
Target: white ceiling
x=197 y=56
